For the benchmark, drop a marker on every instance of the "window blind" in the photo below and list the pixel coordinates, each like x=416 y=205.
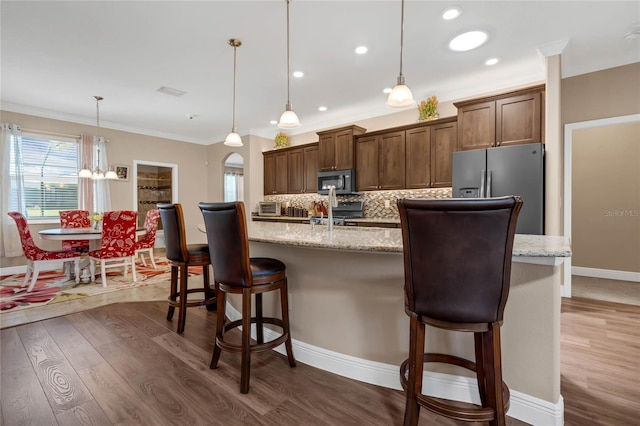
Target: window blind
x=49 y=174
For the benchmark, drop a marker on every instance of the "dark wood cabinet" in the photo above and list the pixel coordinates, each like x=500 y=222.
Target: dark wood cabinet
x=507 y=119
x=310 y=168
x=429 y=155
x=336 y=148
x=291 y=170
x=380 y=161
x=275 y=172
x=444 y=140
x=418 y=164
x=295 y=171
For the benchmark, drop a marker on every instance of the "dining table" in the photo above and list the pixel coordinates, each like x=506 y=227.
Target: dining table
x=93 y=235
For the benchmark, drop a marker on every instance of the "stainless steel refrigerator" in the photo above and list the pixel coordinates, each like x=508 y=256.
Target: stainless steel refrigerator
x=507 y=170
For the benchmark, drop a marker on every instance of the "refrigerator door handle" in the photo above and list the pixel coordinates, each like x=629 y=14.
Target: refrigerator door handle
x=488 y=183
x=483 y=175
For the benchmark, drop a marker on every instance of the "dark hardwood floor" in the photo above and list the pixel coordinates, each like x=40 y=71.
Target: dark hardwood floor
x=123 y=364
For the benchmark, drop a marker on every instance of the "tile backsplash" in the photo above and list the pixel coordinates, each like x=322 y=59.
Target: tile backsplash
x=374 y=201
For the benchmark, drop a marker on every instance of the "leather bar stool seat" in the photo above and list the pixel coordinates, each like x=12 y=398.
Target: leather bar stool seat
x=236 y=273
x=457 y=262
x=181 y=256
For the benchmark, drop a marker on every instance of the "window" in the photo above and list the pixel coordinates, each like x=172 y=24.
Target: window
x=49 y=175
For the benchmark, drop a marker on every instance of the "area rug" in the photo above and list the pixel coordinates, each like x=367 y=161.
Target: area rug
x=53 y=286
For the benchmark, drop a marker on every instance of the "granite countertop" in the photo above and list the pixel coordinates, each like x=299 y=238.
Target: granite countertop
x=306 y=219
x=383 y=239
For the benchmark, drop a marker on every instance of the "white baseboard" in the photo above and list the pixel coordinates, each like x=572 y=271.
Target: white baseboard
x=523 y=407
x=609 y=274
x=23 y=269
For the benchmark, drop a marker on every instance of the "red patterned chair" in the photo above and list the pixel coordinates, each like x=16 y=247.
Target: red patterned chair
x=75 y=219
x=37 y=257
x=148 y=240
x=118 y=245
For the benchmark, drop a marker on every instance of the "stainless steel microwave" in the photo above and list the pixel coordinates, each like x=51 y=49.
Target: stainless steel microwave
x=343 y=180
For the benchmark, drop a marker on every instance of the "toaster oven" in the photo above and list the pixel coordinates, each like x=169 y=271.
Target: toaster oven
x=269 y=208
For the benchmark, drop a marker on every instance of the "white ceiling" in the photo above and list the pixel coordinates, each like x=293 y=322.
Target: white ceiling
x=55 y=56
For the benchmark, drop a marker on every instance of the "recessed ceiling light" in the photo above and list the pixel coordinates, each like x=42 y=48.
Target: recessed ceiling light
x=467 y=41
x=322 y=108
x=387 y=90
x=361 y=50
x=451 y=13
x=491 y=61
x=274 y=122
x=298 y=74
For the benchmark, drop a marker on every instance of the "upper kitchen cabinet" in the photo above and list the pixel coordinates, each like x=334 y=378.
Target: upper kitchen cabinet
x=275 y=172
x=428 y=154
x=336 y=148
x=291 y=170
x=380 y=161
x=508 y=119
x=310 y=168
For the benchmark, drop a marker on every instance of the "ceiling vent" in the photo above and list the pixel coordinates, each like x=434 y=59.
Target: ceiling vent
x=170 y=91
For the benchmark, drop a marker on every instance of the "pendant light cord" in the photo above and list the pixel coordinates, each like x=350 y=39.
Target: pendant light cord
x=288 y=72
x=98 y=99
x=233 y=125
x=401 y=36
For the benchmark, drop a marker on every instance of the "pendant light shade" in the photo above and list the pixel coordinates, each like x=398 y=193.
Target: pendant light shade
x=401 y=96
x=233 y=138
x=97 y=173
x=288 y=119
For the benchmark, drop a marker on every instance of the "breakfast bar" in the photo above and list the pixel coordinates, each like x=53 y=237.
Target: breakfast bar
x=347 y=312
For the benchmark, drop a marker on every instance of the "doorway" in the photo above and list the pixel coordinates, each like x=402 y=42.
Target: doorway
x=233 y=179
x=154 y=183
x=574 y=133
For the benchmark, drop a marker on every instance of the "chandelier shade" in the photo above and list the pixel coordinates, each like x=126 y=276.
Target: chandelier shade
x=97 y=173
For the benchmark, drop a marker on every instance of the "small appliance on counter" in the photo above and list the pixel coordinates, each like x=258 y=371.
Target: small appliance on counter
x=345 y=210
x=269 y=208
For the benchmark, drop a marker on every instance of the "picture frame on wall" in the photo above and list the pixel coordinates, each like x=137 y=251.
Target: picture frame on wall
x=122 y=171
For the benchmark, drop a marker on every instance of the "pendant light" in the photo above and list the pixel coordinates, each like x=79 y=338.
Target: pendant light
x=97 y=174
x=288 y=119
x=400 y=96
x=233 y=138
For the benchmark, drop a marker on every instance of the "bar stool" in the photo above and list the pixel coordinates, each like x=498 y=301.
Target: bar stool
x=457 y=262
x=234 y=272
x=181 y=256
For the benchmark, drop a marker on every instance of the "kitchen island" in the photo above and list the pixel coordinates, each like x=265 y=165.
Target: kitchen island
x=347 y=312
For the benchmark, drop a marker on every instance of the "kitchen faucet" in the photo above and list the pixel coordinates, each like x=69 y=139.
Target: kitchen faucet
x=332 y=202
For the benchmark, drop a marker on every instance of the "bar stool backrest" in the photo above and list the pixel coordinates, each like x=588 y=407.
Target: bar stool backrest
x=174 y=233
x=228 y=242
x=457 y=257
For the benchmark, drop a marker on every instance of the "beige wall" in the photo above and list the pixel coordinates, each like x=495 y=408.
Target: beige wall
x=606 y=197
x=604 y=94
x=124 y=148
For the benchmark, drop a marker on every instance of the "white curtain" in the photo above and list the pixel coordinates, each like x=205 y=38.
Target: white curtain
x=9 y=239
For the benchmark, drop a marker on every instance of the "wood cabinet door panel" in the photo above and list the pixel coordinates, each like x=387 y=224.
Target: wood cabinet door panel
x=327 y=152
x=391 y=149
x=295 y=171
x=367 y=163
x=477 y=126
x=282 y=177
x=418 y=155
x=518 y=119
x=310 y=166
x=269 y=174
x=344 y=150
x=444 y=138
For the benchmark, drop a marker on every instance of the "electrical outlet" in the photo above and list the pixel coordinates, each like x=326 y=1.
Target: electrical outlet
x=387 y=204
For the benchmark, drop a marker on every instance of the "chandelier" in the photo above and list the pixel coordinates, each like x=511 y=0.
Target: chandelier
x=97 y=174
